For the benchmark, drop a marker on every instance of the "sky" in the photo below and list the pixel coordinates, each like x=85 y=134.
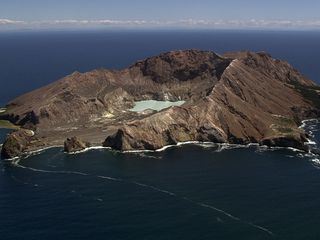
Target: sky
x=161 y=13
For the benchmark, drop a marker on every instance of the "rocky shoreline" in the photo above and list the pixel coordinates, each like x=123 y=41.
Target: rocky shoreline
x=237 y=98
x=34 y=149
x=75 y=145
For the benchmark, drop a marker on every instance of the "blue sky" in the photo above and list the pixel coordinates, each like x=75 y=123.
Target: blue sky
x=161 y=11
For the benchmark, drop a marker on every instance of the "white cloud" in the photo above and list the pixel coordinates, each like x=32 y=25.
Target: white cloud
x=10 y=22
x=119 y=22
x=253 y=23
x=187 y=23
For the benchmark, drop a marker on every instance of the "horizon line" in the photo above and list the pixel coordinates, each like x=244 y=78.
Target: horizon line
x=161 y=24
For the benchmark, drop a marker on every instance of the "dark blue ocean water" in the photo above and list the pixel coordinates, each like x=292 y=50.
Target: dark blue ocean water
x=186 y=192
x=32 y=59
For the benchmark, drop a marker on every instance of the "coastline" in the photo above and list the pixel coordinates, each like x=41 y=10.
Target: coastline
x=216 y=109
x=221 y=146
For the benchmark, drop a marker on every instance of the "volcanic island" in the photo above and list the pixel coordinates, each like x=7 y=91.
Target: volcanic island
x=175 y=97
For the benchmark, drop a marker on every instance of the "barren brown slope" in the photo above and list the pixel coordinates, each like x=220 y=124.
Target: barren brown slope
x=238 y=98
x=80 y=97
x=255 y=100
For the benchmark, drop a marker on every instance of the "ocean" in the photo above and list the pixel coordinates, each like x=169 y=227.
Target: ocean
x=184 y=192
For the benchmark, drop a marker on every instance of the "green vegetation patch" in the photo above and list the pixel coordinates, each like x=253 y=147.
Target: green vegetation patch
x=310 y=93
x=284 y=130
x=8 y=125
x=285 y=121
x=284 y=126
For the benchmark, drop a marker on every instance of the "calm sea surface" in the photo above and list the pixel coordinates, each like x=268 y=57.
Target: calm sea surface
x=185 y=192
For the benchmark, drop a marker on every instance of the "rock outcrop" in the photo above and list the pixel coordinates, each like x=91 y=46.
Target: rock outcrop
x=16 y=143
x=240 y=97
x=74 y=144
x=293 y=141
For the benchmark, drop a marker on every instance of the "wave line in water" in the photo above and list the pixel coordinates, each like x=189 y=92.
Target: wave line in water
x=219 y=210
x=111 y=178
x=206 y=206
x=152 y=188
x=236 y=218
x=48 y=171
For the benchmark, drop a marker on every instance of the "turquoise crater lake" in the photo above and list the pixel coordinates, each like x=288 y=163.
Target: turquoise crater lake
x=141 y=106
